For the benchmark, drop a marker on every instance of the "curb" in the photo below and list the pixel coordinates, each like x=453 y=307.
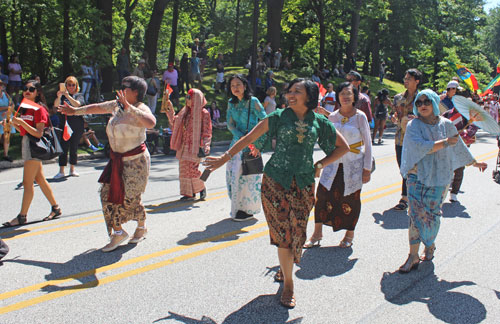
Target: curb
x=89 y=156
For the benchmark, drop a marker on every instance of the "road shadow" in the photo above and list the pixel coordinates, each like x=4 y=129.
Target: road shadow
x=173 y=205
x=77 y=268
x=222 y=231
x=454 y=210
x=328 y=261
x=391 y=219
x=425 y=287
x=262 y=309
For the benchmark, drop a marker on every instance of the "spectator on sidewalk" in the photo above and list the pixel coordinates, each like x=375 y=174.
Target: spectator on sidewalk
x=88 y=137
x=171 y=76
x=219 y=78
x=184 y=73
x=6 y=128
x=153 y=90
x=122 y=65
x=195 y=69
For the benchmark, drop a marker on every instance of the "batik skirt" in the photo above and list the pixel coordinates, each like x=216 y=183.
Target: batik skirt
x=424 y=210
x=287 y=212
x=333 y=208
x=135 y=177
x=189 y=178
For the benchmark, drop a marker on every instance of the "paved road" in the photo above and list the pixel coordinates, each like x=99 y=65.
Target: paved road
x=196 y=266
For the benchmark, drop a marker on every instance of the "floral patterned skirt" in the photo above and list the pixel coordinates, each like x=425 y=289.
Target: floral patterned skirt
x=135 y=177
x=189 y=178
x=334 y=209
x=424 y=210
x=243 y=190
x=287 y=213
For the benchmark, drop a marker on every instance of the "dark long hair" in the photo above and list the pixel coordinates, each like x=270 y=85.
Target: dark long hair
x=312 y=91
x=345 y=85
x=246 y=95
x=40 y=97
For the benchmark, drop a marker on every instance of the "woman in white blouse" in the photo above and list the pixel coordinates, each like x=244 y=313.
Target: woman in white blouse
x=338 y=201
x=125 y=177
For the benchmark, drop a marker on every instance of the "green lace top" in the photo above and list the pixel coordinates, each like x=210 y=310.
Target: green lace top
x=295 y=140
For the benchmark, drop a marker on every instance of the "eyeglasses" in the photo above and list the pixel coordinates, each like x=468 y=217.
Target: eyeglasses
x=30 y=89
x=426 y=102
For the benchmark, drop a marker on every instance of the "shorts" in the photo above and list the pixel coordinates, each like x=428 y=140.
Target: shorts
x=25 y=149
x=219 y=78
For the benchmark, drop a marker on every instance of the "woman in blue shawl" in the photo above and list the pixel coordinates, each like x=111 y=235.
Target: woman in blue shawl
x=432 y=150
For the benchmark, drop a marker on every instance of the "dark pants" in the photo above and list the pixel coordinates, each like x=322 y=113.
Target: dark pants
x=122 y=74
x=76 y=124
x=4 y=249
x=457 y=180
x=399 y=152
x=183 y=79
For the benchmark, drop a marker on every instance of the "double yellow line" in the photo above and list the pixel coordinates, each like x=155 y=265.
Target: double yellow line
x=375 y=194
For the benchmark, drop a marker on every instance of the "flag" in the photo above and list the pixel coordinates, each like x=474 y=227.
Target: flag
x=67 y=132
x=27 y=104
x=168 y=89
x=493 y=83
x=465 y=75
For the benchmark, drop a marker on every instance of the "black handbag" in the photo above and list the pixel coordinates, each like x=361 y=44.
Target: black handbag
x=151 y=90
x=46 y=147
x=251 y=164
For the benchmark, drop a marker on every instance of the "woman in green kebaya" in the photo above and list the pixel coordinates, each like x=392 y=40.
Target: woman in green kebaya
x=288 y=181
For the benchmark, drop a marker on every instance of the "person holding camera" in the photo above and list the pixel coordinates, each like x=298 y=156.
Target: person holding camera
x=191 y=138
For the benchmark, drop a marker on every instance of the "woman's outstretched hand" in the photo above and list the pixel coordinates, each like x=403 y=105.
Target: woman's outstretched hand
x=213 y=163
x=66 y=109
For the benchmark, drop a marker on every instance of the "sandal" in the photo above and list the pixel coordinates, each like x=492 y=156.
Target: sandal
x=288 y=299
x=21 y=219
x=54 y=213
x=428 y=254
x=312 y=242
x=409 y=265
x=346 y=242
x=278 y=277
x=139 y=235
x=402 y=205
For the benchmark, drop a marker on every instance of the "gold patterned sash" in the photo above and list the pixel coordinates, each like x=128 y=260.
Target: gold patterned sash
x=354 y=147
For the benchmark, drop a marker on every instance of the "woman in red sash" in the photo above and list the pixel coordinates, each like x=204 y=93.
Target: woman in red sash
x=125 y=177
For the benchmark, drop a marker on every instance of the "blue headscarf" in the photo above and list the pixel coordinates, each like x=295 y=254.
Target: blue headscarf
x=430 y=95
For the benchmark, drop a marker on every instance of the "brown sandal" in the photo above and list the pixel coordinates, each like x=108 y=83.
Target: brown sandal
x=278 y=277
x=288 y=299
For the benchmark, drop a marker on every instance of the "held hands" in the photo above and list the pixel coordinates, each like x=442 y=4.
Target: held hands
x=480 y=165
x=366 y=176
x=66 y=109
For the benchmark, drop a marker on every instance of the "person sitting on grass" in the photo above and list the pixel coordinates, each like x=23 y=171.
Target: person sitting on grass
x=89 y=135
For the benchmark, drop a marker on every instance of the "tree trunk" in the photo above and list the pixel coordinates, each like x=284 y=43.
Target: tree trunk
x=318 y=8
x=66 y=60
x=375 y=49
x=153 y=30
x=13 y=24
x=41 y=68
x=353 y=41
x=4 y=44
x=256 y=12
x=274 y=11
x=236 y=31
x=129 y=7
x=173 y=37
x=366 y=62
x=105 y=37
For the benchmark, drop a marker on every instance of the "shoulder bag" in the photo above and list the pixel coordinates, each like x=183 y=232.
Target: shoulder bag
x=46 y=147
x=251 y=164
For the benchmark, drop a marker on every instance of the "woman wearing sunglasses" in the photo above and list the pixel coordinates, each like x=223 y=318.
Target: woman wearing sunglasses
x=71 y=96
x=191 y=137
x=32 y=122
x=432 y=149
x=125 y=177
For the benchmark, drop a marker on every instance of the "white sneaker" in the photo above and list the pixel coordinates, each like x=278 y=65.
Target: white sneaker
x=59 y=176
x=453 y=197
x=74 y=174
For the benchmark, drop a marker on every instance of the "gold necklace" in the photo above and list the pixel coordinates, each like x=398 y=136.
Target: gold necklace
x=301 y=129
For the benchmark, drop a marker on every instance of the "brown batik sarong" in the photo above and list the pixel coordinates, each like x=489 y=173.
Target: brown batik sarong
x=135 y=177
x=334 y=209
x=287 y=213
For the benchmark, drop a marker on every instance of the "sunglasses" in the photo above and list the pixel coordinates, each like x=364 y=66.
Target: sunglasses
x=426 y=102
x=125 y=86
x=71 y=85
x=30 y=89
x=350 y=80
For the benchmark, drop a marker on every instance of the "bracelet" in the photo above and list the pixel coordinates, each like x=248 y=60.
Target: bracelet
x=227 y=152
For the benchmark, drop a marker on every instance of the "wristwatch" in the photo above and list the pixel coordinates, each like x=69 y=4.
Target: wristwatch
x=318 y=165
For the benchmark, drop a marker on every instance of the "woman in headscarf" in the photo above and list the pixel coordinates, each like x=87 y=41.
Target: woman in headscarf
x=432 y=149
x=191 y=137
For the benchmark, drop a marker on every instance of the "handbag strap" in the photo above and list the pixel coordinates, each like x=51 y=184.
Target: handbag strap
x=248 y=120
